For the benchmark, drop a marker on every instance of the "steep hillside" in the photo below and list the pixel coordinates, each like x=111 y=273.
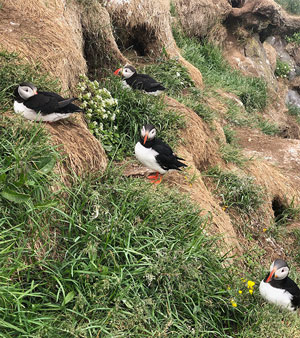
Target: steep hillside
x=90 y=249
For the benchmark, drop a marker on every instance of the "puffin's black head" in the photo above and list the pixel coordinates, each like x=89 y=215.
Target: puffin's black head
x=126 y=72
x=278 y=270
x=25 y=90
x=148 y=132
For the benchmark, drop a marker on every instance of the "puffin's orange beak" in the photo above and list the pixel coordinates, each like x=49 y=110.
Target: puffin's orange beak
x=145 y=138
x=116 y=72
x=35 y=92
x=271 y=275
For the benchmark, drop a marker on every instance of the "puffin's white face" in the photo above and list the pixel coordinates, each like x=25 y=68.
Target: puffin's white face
x=127 y=72
x=148 y=132
x=279 y=272
x=27 y=91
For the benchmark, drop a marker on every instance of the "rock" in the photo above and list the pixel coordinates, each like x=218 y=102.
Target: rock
x=271 y=55
x=265 y=17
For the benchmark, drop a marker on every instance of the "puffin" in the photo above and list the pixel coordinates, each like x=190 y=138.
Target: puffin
x=154 y=154
x=277 y=288
x=42 y=106
x=139 y=81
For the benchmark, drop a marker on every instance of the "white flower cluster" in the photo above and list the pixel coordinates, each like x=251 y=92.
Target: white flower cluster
x=100 y=107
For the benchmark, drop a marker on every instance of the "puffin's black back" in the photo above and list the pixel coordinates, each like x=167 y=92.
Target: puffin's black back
x=289 y=285
x=144 y=82
x=166 y=157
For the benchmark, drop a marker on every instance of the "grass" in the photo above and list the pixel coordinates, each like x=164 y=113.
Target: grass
x=171 y=74
x=292 y=6
x=235 y=191
x=13 y=71
x=218 y=74
x=232 y=154
x=109 y=255
x=137 y=109
x=293 y=110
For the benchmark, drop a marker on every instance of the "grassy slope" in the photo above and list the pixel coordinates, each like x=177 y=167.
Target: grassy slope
x=110 y=256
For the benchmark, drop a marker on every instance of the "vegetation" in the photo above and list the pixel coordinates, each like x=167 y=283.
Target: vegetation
x=136 y=109
x=235 y=191
x=111 y=256
x=171 y=74
x=13 y=72
x=232 y=154
x=218 y=74
x=292 y=6
x=294 y=38
x=282 y=68
x=294 y=111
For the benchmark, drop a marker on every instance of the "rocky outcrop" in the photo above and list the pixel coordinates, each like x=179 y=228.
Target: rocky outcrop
x=266 y=17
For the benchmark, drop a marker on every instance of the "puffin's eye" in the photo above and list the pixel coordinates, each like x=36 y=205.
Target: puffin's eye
x=282 y=270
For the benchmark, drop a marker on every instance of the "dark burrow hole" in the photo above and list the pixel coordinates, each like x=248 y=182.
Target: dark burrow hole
x=237 y=3
x=278 y=207
x=139 y=39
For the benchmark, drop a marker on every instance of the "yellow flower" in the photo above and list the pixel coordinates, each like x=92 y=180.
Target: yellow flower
x=233 y=303
x=228 y=288
x=250 y=284
x=250 y=291
x=264 y=229
x=243 y=280
x=240 y=292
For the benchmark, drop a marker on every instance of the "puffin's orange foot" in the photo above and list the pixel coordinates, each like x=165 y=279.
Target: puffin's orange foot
x=155 y=177
x=158 y=181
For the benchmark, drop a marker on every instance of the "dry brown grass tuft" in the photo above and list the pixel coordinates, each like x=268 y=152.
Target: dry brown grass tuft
x=45 y=32
x=84 y=153
x=145 y=26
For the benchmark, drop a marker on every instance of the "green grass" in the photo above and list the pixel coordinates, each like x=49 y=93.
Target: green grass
x=171 y=74
x=137 y=109
x=13 y=71
x=292 y=6
x=218 y=74
x=110 y=255
x=294 y=111
x=267 y=127
x=235 y=191
x=282 y=69
x=232 y=154
x=294 y=38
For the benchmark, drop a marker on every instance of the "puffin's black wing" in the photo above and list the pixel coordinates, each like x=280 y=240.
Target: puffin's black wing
x=166 y=158
x=48 y=102
x=294 y=290
x=144 y=82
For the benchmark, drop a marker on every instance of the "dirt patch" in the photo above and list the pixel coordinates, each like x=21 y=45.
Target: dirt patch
x=282 y=153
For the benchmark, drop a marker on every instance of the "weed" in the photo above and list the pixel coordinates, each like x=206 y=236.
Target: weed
x=291 y=6
x=237 y=192
x=230 y=135
x=171 y=74
x=295 y=38
x=101 y=111
x=218 y=74
x=294 y=110
x=232 y=154
x=282 y=69
x=267 y=127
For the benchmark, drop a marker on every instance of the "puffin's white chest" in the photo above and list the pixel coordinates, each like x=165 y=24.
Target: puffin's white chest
x=147 y=157
x=276 y=296
x=31 y=114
